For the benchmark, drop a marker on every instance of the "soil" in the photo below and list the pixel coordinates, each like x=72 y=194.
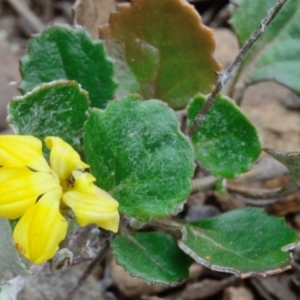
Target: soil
x=271 y=107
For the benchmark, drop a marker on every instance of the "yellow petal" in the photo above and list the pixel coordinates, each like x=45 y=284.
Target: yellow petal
x=91 y=204
x=63 y=158
x=22 y=150
x=41 y=229
x=20 y=188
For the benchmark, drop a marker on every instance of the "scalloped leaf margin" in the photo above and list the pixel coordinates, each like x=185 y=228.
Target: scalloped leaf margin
x=138 y=154
x=64 y=52
x=162 y=51
x=245 y=242
x=226 y=142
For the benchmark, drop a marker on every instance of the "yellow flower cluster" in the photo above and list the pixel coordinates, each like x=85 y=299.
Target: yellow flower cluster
x=36 y=192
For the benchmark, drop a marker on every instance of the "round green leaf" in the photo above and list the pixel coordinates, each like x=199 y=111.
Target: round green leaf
x=63 y=52
x=138 y=154
x=226 y=142
x=245 y=242
x=53 y=109
x=275 y=56
x=162 y=50
x=152 y=256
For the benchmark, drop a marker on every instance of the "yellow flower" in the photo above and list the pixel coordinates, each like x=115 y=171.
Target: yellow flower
x=32 y=189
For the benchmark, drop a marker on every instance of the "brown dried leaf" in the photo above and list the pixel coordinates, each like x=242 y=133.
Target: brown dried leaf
x=92 y=13
x=162 y=50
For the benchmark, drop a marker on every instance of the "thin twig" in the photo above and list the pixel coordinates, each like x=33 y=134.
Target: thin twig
x=235 y=64
x=296 y=266
x=260 y=288
x=203 y=184
x=79 y=260
x=263 y=196
x=220 y=18
x=167 y=225
x=96 y=261
x=265 y=169
x=105 y=238
x=35 y=23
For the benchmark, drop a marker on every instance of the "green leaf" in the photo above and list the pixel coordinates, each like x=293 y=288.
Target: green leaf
x=275 y=56
x=138 y=154
x=226 y=142
x=152 y=256
x=162 y=50
x=245 y=242
x=53 y=109
x=63 y=52
x=9 y=256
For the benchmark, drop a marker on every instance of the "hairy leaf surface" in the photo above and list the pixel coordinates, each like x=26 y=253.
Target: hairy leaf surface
x=53 y=109
x=9 y=256
x=226 y=142
x=63 y=52
x=275 y=56
x=245 y=242
x=152 y=256
x=138 y=154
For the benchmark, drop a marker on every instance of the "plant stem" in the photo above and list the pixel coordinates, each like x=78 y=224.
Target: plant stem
x=265 y=169
x=263 y=196
x=94 y=263
x=167 y=225
x=235 y=64
x=105 y=239
x=203 y=184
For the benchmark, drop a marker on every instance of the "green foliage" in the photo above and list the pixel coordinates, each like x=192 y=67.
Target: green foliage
x=63 y=52
x=275 y=56
x=138 y=154
x=9 y=256
x=52 y=109
x=152 y=256
x=162 y=50
x=242 y=242
x=136 y=149
x=226 y=142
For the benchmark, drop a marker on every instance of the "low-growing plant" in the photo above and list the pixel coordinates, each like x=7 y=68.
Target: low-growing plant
x=114 y=101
